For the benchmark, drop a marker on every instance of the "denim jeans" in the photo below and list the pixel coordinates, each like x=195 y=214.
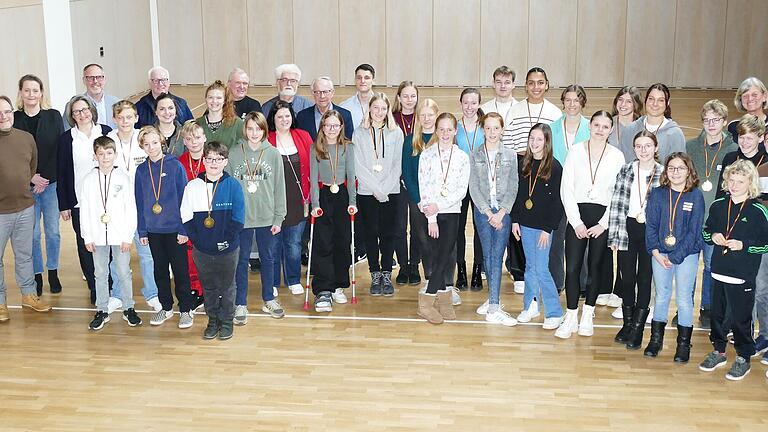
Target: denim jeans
x=538 y=279
x=47 y=206
x=684 y=275
x=288 y=254
x=147 y=266
x=17 y=227
x=706 y=277
x=121 y=264
x=217 y=276
x=494 y=244
x=265 y=241
x=761 y=297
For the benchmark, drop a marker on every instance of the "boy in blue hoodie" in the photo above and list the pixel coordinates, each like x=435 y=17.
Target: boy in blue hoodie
x=158 y=187
x=213 y=212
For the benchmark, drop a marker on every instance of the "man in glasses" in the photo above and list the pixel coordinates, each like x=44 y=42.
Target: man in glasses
x=159 y=83
x=94 y=80
x=288 y=77
x=308 y=119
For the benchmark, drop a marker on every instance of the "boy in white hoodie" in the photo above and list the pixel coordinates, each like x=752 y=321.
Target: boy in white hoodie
x=108 y=224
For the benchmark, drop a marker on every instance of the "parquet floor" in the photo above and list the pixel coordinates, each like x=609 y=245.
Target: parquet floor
x=367 y=367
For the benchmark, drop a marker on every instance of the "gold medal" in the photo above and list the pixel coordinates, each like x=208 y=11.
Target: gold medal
x=252 y=187
x=529 y=204
x=444 y=192
x=640 y=218
x=706 y=186
x=334 y=188
x=157 y=208
x=670 y=240
x=209 y=222
x=104 y=218
x=378 y=168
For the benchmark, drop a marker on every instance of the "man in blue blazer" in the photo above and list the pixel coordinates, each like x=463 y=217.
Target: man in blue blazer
x=308 y=119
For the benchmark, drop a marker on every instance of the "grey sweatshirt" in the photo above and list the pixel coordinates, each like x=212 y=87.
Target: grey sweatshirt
x=320 y=171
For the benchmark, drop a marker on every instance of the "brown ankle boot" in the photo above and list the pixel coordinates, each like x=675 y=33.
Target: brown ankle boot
x=427 y=309
x=35 y=303
x=445 y=305
x=4 y=313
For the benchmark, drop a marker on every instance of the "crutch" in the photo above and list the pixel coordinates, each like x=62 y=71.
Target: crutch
x=309 y=261
x=352 y=247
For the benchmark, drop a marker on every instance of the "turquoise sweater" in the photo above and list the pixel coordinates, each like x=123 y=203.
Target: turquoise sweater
x=559 y=149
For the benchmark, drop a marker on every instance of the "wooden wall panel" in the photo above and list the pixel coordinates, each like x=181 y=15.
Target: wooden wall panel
x=601 y=31
x=409 y=42
x=456 y=43
x=362 y=19
x=181 y=37
x=270 y=38
x=17 y=60
x=649 y=55
x=131 y=60
x=745 y=41
x=225 y=46
x=503 y=38
x=316 y=38
x=699 y=43
x=552 y=40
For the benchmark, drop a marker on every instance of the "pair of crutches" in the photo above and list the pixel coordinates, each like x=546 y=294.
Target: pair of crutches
x=309 y=261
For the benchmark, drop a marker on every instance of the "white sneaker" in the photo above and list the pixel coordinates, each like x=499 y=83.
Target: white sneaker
x=617 y=314
x=482 y=275
x=455 y=298
x=586 y=326
x=519 y=287
x=552 y=323
x=501 y=317
x=296 y=289
x=650 y=316
x=160 y=317
x=186 y=320
x=530 y=313
x=483 y=308
x=273 y=308
x=569 y=325
x=274 y=291
x=241 y=315
x=154 y=303
x=602 y=299
x=615 y=301
x=339 y=296
x=114 y=304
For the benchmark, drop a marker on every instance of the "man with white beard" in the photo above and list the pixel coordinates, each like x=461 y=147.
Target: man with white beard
x=288 y=77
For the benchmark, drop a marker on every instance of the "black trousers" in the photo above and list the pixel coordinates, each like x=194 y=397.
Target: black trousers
x=515 y=261
x=574 y=257
x=441 y=248
x=85 y=257
x=407 y=251
x=331 y=253
x=635 y=268
x=467 y=206
x=379 y=230
x=419 y=238
x=167 y=251
x=735 y=301
x=217 y=277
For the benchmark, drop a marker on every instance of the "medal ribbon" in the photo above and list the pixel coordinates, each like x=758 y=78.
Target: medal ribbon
x=673 y=210
x=156 y=191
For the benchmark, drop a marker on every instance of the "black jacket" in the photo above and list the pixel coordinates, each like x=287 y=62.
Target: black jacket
x=49 y=129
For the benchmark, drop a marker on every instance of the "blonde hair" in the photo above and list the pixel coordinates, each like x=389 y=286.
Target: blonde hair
x=418 y=140
x=389 y=121
x=44 y=103
x=149 y=130
x=748 y=170
x=123 y=105
x=750 y=123
x=189 y=128
x=716 y=107
x=261 y=122
x=321 y=143
x=443 y=116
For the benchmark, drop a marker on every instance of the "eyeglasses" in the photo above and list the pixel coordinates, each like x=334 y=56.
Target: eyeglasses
x=6 y=113
x=218 y=160
x=291 y=81
x=159 y=80
x=677 y=169
x=94 y=78
x=712 y=121
x=332 y=126
x=644 y=147
x=81 y=111
x=322 y=92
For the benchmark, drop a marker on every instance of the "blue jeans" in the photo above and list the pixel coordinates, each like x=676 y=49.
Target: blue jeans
x=121 y=265
x=706 y=278
x=47 y=206
x=538 y=279
x=147 y=265
x=288 y=254
x=265 y=241
x=684 y=275
x=494 y=244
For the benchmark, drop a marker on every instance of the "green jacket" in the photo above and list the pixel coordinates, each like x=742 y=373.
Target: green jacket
x=227 y=135
x=264 y=206
x=714 y=156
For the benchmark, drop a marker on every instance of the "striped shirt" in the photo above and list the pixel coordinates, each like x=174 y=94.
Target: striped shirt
x=522 y=116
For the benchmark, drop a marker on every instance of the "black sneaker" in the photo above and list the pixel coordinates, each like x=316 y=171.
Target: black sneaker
x=199 y=302
x=212 y=330
x=402 y=275
x=386 y=284
x=225 y=329
x=713 y=361
x=131 y=317
x=739 y=369
x=99 y=320
x=376 y=284
x=254 y=264
x=304 y=260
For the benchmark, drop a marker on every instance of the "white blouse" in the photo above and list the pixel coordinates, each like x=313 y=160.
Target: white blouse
x=437 y=174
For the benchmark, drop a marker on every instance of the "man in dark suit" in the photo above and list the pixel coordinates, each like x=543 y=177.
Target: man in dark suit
x=308 y=119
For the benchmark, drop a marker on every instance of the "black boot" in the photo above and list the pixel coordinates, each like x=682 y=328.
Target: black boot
x=657 y=339
x=53 y=281
x=635 y=338
x=39 y=283
x=683 y=351
x=622 y=336
x=212 y=329
x=414 y=278
x=477 y=277
x=402 y=275
x=461 y=276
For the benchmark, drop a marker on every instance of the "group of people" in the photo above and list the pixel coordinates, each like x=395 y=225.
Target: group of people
x=554 y=191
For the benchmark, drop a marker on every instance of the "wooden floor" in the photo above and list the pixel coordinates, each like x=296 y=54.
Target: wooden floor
x=367 y=367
